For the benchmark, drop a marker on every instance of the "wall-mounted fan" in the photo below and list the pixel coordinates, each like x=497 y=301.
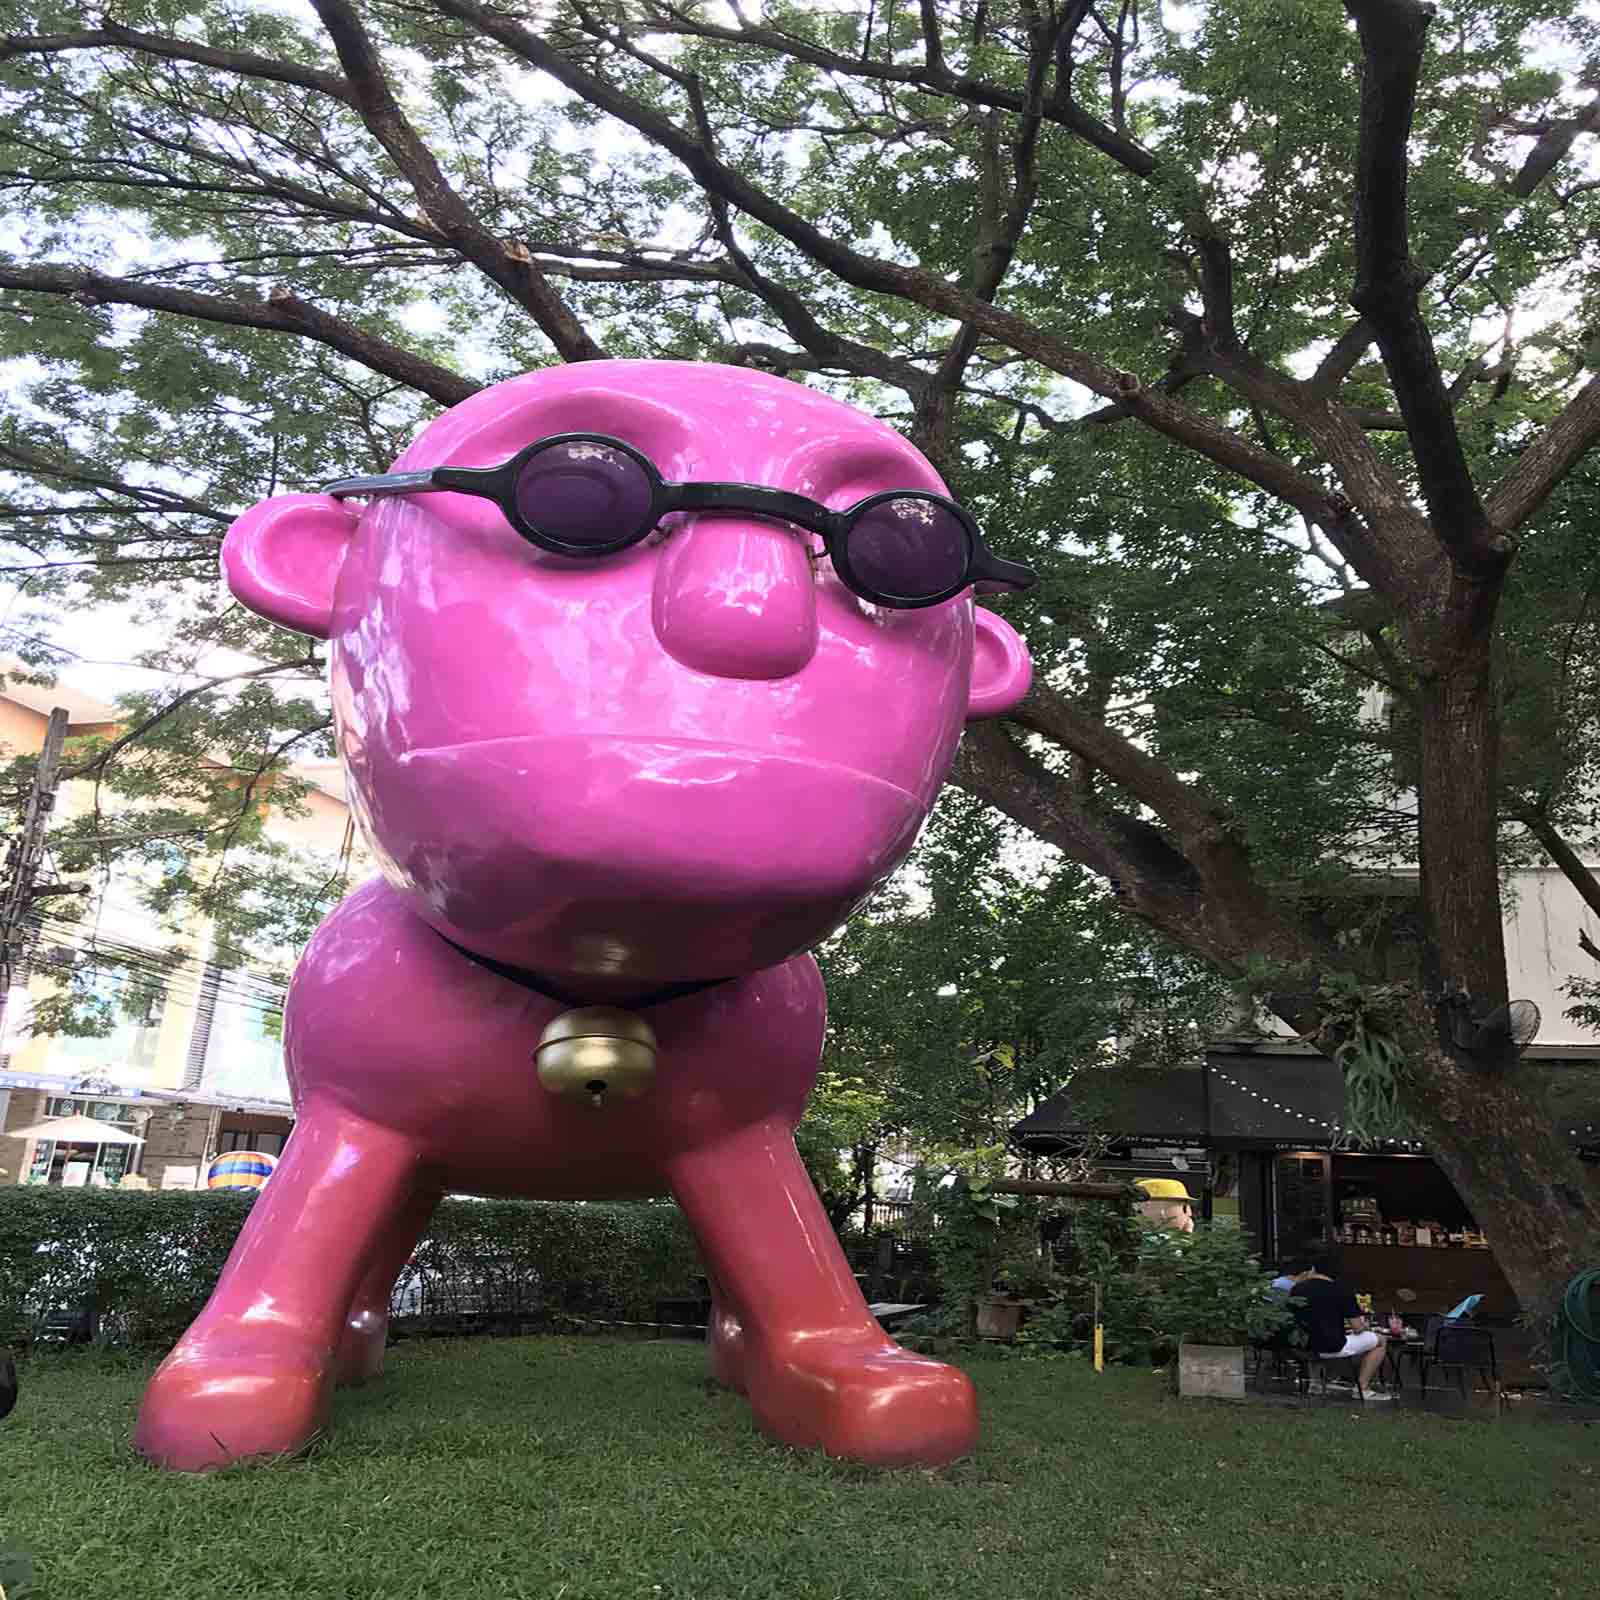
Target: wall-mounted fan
x=1513 y=1026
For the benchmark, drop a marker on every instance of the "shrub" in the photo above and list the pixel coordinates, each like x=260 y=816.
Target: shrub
x=1100 y=1245
x=1208 y=1287
x=535 y=1261
x=1157 y=1288
x=148 y=1261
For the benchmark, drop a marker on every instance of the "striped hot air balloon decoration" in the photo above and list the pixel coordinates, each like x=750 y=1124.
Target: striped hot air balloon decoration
x=240 y=1169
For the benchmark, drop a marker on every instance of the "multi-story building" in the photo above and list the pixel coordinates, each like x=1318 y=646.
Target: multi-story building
x=193 y=1064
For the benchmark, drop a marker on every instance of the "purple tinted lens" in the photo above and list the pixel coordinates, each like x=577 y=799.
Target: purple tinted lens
x=582 y=492
x=908 y=548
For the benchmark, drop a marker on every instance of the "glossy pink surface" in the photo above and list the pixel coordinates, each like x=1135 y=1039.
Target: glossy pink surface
x=687 y=761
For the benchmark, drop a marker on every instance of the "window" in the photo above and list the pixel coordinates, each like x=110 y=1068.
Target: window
x=43 y=1153
x=134 y=1008
x=269 y=1144
x=86 y=1161
x=116 y=1112
x=146 y=1033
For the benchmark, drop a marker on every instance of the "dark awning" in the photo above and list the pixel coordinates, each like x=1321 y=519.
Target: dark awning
x=1254 y=1098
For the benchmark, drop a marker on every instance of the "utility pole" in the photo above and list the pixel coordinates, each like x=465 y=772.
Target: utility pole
x=26 y=853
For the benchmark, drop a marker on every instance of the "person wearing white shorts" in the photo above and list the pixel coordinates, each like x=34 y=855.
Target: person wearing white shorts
x=1358 y=1344
x=1331 y=1320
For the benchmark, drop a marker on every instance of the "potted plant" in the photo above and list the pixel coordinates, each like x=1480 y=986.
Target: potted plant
x=1211 y=1295
x=977 y=1233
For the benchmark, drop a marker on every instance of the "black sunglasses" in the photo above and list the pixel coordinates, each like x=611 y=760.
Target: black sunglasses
x=586 y=494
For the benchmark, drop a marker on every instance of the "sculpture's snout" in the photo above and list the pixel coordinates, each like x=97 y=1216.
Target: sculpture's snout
x=735 y=597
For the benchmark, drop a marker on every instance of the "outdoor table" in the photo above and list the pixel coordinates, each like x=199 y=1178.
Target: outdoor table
x=1393 y=1349
x=1413 y=1344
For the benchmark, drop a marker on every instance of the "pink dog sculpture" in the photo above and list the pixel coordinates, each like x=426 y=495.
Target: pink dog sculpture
x=612 y=767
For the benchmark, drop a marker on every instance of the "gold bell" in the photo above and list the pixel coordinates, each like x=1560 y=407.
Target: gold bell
x=597 y=1053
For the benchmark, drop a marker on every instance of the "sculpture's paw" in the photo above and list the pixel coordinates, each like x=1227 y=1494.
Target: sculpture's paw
x=361 y=1347
x=207 y=1406
x=725 y=1350
x=874 y=1403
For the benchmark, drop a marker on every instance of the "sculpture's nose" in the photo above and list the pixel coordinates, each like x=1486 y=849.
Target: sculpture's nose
x=734 y=596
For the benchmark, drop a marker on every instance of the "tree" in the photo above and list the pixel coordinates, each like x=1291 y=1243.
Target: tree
x=984 y=976
x=1270 y=323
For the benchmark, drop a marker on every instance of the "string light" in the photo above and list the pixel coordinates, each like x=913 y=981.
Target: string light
x=1278 y=1105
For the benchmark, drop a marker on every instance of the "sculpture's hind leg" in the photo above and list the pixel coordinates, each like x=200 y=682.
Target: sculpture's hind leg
x=366 y=1327
x=725 y=1341
x=818 y=1369
x=254 y=1373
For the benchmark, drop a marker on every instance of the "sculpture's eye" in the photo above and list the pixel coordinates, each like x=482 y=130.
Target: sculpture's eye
x=583 y=493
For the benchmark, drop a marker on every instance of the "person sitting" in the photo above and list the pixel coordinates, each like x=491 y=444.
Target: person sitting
x=1324 y=1309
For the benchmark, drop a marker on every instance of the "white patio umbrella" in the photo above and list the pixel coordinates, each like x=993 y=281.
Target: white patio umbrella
x=75 y=1130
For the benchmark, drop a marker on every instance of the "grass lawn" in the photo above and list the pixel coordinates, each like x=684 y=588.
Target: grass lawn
x=587 y=1470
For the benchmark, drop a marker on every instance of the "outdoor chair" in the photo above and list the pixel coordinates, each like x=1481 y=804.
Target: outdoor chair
x=1421 y=1351
x=1324 y=1364
x=1278 y=1354
x=1460 y=1348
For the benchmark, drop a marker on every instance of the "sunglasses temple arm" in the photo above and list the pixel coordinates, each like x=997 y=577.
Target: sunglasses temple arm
x=991 y=575
x=387 y=483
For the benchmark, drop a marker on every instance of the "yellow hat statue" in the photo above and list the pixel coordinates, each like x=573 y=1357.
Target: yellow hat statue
x=1167 y=1204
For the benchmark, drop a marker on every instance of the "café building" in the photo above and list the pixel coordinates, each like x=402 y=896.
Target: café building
x=1255 y=1131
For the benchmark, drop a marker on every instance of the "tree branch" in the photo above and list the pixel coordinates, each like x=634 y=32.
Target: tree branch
x=1545 y=462
x=1342 y=359
x=514 y=271
x=244 y=63
x=1221 y=918
x=97 y=763
x=1229 y=449
x=151 y=498
x=1003 y=209
x=1216 y=282
x=280 y=313
x=1194 y=817
x=1388 y=282
x=993 y=766
x=825 y=347
x=1566 y=859
x=1554 y=142
x=932 y=75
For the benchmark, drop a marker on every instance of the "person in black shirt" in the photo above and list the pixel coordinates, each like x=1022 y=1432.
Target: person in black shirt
x=1323 y=1308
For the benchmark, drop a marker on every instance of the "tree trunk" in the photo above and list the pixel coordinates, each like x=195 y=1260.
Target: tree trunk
x=1515 y=1169
x=1497 y=1143
x=1457 y=841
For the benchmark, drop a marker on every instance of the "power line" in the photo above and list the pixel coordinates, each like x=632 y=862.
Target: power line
x=155 y=971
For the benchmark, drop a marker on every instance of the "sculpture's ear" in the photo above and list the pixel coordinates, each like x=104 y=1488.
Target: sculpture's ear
x=281 y=559
x=1002 y=670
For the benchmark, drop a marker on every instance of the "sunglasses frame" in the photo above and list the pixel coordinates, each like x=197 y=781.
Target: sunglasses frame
x=983 y=569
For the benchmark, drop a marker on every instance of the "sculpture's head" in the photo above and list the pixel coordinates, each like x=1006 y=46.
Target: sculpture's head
x=601 y=737
x=1167 y=1204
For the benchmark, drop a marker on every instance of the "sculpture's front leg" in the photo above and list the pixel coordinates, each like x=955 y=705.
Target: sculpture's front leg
x=819 y=1371
x=255 y=1372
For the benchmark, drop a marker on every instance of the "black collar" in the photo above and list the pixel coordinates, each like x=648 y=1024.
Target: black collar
x=536 y=984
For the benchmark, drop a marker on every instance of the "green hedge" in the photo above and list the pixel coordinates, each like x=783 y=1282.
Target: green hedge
x=148 y=1261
